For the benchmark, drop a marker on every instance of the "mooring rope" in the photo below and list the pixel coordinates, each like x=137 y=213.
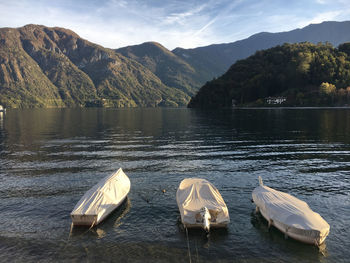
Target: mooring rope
x=188 y=246
x=71 y=231
x=92 y=225
x=195 y=243
x=70 y=234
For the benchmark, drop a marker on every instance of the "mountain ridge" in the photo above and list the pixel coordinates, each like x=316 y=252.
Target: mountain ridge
x=219 y=57
x=171 y=69
x=53 y=67
x=68 y=71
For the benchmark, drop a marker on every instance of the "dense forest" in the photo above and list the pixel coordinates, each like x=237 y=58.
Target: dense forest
x=304 y=74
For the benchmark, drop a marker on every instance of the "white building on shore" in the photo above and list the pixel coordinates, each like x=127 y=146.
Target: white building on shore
x=275 y=100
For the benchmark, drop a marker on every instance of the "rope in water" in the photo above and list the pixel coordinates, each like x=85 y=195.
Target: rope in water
x=70 y=234
x=71 y=230
x=188 y=246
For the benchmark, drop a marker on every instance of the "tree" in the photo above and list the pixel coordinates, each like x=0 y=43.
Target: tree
x=345 y=48
x=296 y=69
x=327 y=88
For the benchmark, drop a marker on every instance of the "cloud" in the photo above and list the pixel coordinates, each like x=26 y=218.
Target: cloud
x=321 y=2
x=185 y=23
x=205 y=26
x=326 y=16
x=183 y=17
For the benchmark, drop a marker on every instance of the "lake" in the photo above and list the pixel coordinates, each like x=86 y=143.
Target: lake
x=50 y=157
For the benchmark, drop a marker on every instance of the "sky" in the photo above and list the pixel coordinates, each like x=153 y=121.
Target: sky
x=178 y=23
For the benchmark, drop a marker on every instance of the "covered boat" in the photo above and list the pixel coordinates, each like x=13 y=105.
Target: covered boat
x=98 y=202
x=290 y=215
x=201 y=204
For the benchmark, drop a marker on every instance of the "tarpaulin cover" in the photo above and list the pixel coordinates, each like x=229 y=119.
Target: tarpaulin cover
x=194 y=194
x=102 y=198
x=294 y=214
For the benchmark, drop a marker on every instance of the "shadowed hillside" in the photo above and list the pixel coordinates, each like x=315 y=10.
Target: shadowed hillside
x=214 y=60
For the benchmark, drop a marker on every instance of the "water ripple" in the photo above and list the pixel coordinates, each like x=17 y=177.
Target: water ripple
x=45 y=170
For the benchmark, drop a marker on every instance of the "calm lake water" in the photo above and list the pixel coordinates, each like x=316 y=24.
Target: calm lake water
x=49 y=158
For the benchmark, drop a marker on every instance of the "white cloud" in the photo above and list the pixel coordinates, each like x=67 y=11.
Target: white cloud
x=192 y=23
x=321 y=2
x=326 y=16
x=205 y=26
x=337 y=15
x=183 y=17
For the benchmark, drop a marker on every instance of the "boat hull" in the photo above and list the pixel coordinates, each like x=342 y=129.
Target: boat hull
x=290 y=215
x=93 y=220
x=292 y=231
x=193 y=195
x=212 y=225
x=84 y=220
x=101 y=200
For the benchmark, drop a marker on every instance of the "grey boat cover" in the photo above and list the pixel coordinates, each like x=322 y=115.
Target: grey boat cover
x=292 y=212
x=101 y=199
x=194 y=194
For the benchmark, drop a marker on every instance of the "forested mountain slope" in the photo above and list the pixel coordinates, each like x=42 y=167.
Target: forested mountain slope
x=50 y=67
x=306 y=74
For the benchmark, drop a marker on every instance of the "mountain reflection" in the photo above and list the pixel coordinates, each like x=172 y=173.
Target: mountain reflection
x=23 y=127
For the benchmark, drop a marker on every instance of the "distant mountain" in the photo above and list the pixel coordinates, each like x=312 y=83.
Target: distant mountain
x=171 y=69
x=214 y=60
x=54 y=67
x=303 y=74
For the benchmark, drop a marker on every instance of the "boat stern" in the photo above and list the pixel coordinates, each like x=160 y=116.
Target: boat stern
x=84 y=220
x=323 y=234
x=205 y=215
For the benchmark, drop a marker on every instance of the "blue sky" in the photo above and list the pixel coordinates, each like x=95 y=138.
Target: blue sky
x=178 y=23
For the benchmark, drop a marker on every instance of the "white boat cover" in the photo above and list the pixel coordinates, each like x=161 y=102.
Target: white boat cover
x=194 y=194
x=101 y=199
x=290 y=215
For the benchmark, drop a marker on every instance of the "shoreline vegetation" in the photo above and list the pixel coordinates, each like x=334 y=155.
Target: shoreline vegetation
x=301 y=74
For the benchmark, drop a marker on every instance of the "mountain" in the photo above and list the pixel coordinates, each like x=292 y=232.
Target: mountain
x=304 y=74
x=54 y=67
x=214 y=60
x=171 y=69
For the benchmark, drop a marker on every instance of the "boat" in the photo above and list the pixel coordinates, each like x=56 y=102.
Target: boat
x=201 y=205
x=290 y=215
x=100 y=200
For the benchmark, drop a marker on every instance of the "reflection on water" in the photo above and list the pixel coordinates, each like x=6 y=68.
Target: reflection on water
x=50 y=158
x=121 y=212
x=1 y=120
